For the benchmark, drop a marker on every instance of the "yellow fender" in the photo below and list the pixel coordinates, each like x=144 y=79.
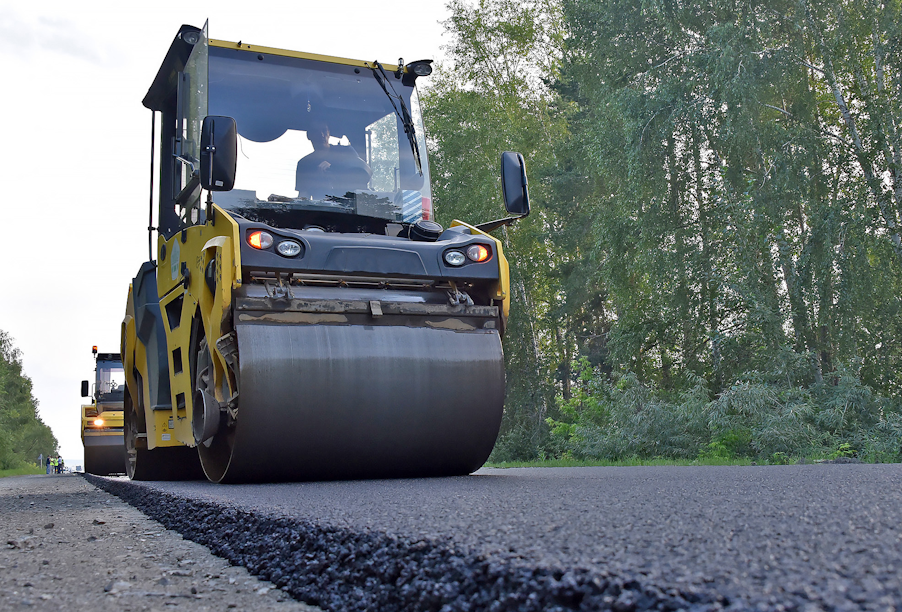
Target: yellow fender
x=185 y=260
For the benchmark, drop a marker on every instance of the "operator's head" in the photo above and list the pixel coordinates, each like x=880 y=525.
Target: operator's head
x=318 y=133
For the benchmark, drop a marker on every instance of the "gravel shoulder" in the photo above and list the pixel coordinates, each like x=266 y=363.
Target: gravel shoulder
x=70 y=546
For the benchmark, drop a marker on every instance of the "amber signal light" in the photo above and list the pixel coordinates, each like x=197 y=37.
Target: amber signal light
x=478 y=253
x=259 y=240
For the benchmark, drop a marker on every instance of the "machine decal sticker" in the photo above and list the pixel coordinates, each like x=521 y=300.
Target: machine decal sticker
x=174 y=260
x=412 y=209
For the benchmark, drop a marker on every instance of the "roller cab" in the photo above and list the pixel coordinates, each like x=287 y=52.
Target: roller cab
x=101 y=419
x=303 y=316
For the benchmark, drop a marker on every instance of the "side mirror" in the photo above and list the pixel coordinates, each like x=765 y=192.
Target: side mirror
x=513 y=184
x=85 y=388
x=218 y=153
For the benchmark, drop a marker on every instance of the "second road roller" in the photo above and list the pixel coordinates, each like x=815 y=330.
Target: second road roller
x=101 y=420
x=302 y=316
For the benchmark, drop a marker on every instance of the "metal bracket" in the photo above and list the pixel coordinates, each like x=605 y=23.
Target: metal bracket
x=228 y=348
x=282 y=291
x=457 y=297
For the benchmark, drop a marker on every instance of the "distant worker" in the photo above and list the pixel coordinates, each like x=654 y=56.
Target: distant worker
x=49 y=461
x=54 y=462
x=60 y=465
x=329 y=170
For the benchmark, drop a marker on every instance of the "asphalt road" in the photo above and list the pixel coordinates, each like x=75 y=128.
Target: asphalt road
x=801 y=537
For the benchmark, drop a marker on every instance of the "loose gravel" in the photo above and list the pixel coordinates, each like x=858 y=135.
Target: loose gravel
x=69 y=546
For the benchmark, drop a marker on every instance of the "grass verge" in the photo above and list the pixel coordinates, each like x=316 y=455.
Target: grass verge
x=624 y=463
x=25 y=471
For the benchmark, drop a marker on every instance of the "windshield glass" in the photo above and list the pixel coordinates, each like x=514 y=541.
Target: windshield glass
x=317 y=139
x=110 y=381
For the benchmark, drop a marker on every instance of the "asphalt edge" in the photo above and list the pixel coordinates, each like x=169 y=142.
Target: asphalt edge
x=340 y=569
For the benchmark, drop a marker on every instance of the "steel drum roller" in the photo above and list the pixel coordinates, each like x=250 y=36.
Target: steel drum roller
x=104 y=455
x=336 y=401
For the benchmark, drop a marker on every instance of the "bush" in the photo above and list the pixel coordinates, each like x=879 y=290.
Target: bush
x=519 y=443
x=770 y=416
x=628 y=419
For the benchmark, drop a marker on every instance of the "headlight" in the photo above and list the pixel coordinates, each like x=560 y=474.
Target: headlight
x=260 y=240
x=455 y=258
x=98 y=422
x=288 y=248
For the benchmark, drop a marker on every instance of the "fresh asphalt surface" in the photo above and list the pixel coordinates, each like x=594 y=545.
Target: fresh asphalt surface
x=804 y=537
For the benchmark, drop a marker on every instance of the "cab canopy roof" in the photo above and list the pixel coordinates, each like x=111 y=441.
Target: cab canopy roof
x=165 y=83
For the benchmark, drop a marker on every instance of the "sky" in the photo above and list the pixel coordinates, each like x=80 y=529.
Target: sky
x=75 y=165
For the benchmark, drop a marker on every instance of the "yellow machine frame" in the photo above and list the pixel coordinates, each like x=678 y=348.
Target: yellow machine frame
x=180 y=279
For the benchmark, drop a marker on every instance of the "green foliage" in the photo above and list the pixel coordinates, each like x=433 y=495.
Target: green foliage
x=765 y=417
x=713 y=267
x=22 y=434
x=516 y=442
x=728 y=218
x=586 y=405
x=780 y=458
x=627 y=418
x=728 y=445
x=843 y=450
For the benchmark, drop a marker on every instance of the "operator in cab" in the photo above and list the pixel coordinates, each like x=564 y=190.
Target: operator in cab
x=329 y=169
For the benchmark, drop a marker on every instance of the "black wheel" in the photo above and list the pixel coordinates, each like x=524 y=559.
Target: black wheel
x=167 y=463
x=216 y=452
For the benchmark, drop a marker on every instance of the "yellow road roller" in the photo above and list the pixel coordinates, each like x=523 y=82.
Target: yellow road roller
x=302 y=316
x=102 y=419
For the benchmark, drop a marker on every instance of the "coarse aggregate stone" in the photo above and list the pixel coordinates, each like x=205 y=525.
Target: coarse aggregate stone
x=69 y=546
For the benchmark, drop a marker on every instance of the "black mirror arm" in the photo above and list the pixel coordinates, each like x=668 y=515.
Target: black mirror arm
x=190 y=191
x=491 y=226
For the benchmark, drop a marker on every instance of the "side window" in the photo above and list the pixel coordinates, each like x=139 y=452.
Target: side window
x=191 y=110
x=382 y=153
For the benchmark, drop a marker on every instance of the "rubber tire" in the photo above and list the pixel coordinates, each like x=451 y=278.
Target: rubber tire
x=215 y=455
